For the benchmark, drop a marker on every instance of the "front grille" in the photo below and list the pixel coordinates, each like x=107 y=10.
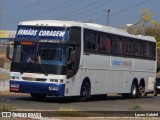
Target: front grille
x=29 y=79
x=34 y=79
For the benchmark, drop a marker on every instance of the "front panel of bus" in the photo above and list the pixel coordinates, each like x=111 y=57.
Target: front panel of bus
x=44 y=57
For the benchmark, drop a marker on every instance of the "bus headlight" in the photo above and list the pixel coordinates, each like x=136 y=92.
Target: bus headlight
x=57 y=81
x=14 y=78
x=53 y=80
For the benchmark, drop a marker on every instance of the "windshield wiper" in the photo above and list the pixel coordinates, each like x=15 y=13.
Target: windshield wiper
x=43 y=69
x=41 y=65
x=30 y=60
x=34 y=61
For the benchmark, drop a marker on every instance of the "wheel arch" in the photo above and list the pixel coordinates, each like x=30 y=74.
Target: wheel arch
x=86 y=79
x=135 y=80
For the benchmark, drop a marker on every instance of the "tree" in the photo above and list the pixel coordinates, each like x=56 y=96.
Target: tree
x=146 y=26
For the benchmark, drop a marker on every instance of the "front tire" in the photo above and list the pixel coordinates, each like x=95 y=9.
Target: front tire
x=85 y=92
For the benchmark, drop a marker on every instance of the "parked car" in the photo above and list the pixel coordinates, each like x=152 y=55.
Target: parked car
x=157 y=87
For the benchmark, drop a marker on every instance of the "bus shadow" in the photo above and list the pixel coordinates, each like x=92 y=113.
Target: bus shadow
x=52 y=99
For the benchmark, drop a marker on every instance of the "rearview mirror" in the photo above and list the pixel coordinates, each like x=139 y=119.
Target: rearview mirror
x=9 y=52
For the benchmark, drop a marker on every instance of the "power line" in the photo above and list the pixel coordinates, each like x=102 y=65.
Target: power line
x=124 y=10
x=60 y=6
x=78 y=9
x=77 y=14
x=33 y=5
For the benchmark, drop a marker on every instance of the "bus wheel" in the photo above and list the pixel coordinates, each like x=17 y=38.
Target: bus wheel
x=38 y=96
x=155 y=93
x=141 y=91
x=134 y=90
x=145 y=94
x=85 y=92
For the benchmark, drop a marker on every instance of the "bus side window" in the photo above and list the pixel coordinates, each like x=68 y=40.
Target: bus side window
x=90 y=40
x=87 y=40
x=127 y=46
x=108 y=44
x=138 y=48
x=117 y=45
x=105 y=43
x=153 y=50
x=102 y=43
x=146 y=50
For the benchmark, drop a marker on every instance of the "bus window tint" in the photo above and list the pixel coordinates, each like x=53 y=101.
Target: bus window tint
x=94 y=41
x=116 y=45
x=127 y=46
x=147 y=50
x=87 y=40
x=153 y=50
x=90 y=40
x=105 y=43
x=138 y=48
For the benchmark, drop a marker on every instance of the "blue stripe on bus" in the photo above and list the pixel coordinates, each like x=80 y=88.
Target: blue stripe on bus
x=37 y=88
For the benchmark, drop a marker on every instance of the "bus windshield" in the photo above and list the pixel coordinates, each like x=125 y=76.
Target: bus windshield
x=52 y=53
x=41 y=53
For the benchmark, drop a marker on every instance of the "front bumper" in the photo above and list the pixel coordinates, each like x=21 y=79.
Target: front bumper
x=37 y=87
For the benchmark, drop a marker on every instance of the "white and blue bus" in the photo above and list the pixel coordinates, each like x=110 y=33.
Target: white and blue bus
x=67 y=58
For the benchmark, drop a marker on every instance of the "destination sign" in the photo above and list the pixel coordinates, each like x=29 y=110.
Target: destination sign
x=55 y=33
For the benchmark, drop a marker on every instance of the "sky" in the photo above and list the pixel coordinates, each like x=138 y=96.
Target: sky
x=122 y=11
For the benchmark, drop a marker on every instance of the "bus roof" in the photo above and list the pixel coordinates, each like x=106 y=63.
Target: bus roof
x=93 y=26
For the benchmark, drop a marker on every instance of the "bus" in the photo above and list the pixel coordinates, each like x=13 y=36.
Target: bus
x=68 y=58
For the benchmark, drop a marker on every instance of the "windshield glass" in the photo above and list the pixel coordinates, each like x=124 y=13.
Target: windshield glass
x=42 y=53
x=52 y=53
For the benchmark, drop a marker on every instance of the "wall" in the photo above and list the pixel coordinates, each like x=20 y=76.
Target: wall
x=4 y=86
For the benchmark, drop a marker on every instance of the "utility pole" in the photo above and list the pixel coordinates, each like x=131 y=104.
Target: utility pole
x=108 y=11
x=90 y=20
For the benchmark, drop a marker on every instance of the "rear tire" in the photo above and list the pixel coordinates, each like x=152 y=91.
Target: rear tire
x=141 y=91
x=145 y=94
x=155 y=93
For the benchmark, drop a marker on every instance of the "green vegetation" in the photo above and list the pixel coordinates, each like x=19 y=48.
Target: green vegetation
x=137 y=107
x=6 y=107
x=70 y=111
x=146 y=26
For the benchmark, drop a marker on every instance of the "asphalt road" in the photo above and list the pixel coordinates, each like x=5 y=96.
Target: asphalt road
x=110 y=103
